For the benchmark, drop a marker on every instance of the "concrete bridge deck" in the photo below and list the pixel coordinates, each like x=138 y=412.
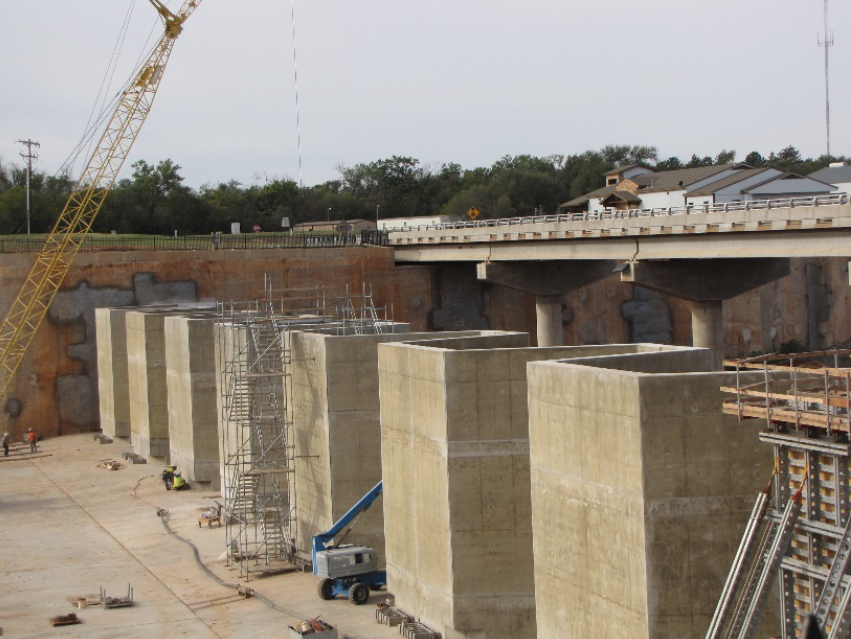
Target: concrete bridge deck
x=819 y=227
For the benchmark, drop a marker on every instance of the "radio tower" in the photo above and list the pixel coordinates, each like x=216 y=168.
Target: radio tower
x=826 y=44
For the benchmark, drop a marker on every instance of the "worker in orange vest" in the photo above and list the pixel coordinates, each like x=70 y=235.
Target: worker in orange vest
x=32 y=438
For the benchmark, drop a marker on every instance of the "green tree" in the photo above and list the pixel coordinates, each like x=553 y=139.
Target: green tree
x=696 y=162
x=755 y=160
x=725 y=157
x=671 y=164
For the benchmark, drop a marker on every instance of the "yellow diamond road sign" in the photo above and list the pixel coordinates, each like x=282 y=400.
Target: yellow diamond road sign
x=473 y=213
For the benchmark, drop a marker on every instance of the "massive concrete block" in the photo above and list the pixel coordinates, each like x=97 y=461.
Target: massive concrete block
x=146 y=368
x=336 y=421
x=113 y=384
x=191 y=373
x=457 y=496
x=641 y=488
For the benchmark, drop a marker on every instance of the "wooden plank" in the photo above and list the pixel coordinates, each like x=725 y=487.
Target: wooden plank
x=806 y=396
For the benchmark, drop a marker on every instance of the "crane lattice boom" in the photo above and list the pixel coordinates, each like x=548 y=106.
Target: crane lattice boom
x=63 y=243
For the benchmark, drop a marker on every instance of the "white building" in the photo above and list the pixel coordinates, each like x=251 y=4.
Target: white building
x=639 y=187
x=391 y=223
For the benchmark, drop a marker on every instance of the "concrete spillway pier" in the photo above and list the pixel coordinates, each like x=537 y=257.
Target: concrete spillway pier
x=640 y=490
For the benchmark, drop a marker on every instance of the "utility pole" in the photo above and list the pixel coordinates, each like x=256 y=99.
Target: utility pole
x=826 y=44
x=29 y=155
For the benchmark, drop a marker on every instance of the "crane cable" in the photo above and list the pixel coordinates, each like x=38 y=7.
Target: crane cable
x=92 y=128
x=109 y=74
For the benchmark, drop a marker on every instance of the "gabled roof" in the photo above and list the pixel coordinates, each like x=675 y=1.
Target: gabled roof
x=678 y=178
x=832 y=174
x=783 y=176
x=714 y=187
x=583 y=199
x=627 y=167
x=624 y=196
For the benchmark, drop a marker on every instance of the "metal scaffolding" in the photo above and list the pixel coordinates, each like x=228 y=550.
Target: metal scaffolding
x=255 y=395
x=803 y=541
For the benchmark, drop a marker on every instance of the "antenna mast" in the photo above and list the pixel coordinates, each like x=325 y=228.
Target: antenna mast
x=826 y=44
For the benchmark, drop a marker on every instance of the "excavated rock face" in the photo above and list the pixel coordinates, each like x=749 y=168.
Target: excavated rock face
x=56 y=386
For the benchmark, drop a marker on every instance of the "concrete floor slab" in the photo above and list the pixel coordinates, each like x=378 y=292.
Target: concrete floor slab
x=69 y=527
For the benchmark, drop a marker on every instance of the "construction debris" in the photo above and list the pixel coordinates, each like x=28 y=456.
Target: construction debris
x=391 y=616
x=314 y=628
x=109 y=464
x=134 y=458
x=417 y=630
x=117 y=602
x=65 y=620
x=102 y=439
x=210 y=517
x=82 y=602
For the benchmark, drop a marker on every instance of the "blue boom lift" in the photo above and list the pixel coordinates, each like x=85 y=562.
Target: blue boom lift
x=347 y=569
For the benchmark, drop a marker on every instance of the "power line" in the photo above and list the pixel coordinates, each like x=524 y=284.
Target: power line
x=29 y=155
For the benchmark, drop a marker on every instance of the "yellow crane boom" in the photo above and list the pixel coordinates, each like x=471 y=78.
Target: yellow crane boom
x=63 y=243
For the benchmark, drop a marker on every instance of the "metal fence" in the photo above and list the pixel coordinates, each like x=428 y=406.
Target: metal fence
x=220 y=242
x=613 y=214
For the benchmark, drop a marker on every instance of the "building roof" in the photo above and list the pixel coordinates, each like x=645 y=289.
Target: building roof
x=652 y=182
x=627 y=167
x=714 y=187
x=624 y=196
x=832 y=174
x=583 y=199
x=784 y=176
x=678 y=178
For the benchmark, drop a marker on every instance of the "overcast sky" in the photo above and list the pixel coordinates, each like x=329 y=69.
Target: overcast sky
x=464 y=81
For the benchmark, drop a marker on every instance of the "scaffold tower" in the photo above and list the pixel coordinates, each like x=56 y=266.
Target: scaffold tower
x=255 y=395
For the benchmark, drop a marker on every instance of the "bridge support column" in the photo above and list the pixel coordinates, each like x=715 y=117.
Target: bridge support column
x=548 y=282
x=707 y=283
x=548 y=313
x=707 y=327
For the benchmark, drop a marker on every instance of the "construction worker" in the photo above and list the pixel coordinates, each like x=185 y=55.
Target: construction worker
x=168 y=476
x=6 y=444
x=32 y=438
x=179 y=482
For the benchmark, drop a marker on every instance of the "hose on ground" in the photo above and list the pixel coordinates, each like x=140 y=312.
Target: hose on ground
x=163 y=514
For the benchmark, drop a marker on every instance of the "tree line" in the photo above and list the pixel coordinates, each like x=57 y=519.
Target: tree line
x=154 y=199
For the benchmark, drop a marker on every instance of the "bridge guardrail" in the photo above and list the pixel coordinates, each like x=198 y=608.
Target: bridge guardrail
x=609 y=214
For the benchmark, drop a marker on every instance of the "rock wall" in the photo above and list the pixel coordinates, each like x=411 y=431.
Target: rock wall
x=56 y=389
x=56 y=386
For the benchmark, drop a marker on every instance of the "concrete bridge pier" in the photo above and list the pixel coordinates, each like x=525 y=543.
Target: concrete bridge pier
x=706 y=283
x=548 y=282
